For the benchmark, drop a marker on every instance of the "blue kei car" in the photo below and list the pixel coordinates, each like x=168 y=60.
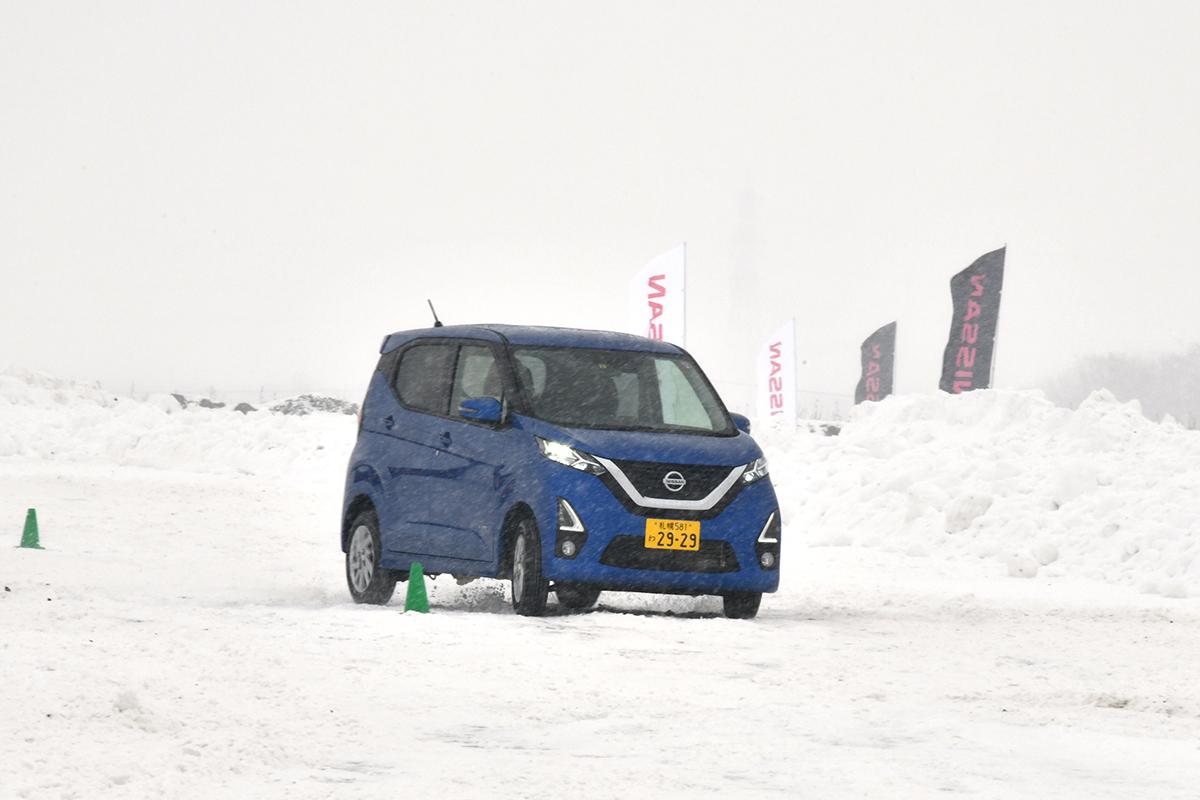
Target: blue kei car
x=568 y=461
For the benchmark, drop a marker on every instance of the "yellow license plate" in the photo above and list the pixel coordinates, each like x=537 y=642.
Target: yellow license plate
x=672 y=534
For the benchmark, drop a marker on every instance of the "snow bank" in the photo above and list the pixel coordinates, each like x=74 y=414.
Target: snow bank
x=46 y=418
x=1099 y=492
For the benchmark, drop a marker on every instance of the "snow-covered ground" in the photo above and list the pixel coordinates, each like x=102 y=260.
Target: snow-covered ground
x=186 y=632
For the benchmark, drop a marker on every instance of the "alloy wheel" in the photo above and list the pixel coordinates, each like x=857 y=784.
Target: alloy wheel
x=362 y=558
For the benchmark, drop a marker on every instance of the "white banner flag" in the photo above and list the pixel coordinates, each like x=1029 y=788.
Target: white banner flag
x=776 y=385
x=657 y=298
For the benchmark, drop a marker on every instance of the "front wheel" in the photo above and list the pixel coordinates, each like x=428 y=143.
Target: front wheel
x=529 y=585
x=742 y=605
x=368 y=581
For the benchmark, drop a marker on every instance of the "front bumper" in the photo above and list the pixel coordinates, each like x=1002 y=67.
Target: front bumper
x=612 y=554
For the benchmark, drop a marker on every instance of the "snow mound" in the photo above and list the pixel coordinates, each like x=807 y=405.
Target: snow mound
x=45 y=418
x=1099 y=492
x=23 y=387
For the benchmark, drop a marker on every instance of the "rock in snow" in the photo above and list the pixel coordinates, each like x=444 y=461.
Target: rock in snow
x=310 y=403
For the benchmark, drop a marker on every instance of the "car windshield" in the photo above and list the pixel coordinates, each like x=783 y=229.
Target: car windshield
x=618 y=390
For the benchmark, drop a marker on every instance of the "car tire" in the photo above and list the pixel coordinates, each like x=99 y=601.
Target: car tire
x=368 y=581
x=742 y=605
x=576 y=597
x=529 y=585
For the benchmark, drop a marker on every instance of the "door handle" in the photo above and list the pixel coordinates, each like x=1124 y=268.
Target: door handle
x=389 y=422
x=445 y=438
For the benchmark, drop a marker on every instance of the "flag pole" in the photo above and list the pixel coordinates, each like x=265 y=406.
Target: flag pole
x=895 y=351
x=996 y=332
x=795 y=398
x=685 y=301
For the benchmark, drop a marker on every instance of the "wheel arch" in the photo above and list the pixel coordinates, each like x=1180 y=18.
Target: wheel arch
x=519 y=511
x=359 y=504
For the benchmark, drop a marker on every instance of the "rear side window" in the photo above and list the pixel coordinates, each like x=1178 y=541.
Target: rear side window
x=423 y=379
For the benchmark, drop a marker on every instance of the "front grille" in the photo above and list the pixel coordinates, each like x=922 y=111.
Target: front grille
x=647 y=478
x=630 y=552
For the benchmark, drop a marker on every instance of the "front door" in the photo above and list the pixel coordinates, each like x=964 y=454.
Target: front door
x=479 y=493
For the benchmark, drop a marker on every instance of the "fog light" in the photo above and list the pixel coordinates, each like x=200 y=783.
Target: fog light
x=767 y=560
x=572 y=536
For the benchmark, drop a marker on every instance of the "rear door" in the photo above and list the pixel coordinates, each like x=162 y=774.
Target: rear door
x=414 y=467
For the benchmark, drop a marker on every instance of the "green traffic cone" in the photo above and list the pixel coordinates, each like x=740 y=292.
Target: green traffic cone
x=30 y=537
x=416 y=599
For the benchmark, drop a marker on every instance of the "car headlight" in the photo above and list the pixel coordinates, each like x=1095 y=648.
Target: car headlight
x=569 y=457
x=755 y=470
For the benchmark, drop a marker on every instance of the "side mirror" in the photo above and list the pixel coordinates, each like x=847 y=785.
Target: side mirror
x=742 y=423
x=482 y=409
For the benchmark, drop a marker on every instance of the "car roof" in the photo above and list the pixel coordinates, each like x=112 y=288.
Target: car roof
x=534 y=336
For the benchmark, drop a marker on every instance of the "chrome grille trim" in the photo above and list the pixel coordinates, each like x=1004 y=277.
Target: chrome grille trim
x=637 y=497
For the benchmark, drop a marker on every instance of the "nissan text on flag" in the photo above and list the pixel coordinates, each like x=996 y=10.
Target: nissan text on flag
x=777 y=378
x=568 y=461
x=969 y=360
x=658 y=298
x=878 y=365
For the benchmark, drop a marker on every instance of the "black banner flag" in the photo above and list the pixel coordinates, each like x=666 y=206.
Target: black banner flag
x=967 y=363
x=878 y=365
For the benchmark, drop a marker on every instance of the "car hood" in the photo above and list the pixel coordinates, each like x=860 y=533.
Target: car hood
x=666 y=448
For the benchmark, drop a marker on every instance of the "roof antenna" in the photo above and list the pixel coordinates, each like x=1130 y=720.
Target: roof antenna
x=437 y=323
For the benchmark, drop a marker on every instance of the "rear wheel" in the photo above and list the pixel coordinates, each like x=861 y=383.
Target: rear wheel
x=742 y=605
x=367 y=580
x=576 y=597
x=529 y=585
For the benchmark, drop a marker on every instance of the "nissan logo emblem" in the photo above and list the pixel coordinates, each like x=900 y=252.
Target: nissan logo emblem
x=674 y=481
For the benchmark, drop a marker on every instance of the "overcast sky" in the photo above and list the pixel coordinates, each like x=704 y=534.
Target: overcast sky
x=241 y=195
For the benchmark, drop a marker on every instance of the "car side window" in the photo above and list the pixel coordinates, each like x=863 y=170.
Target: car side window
x=423 y=378
x=477 y=375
